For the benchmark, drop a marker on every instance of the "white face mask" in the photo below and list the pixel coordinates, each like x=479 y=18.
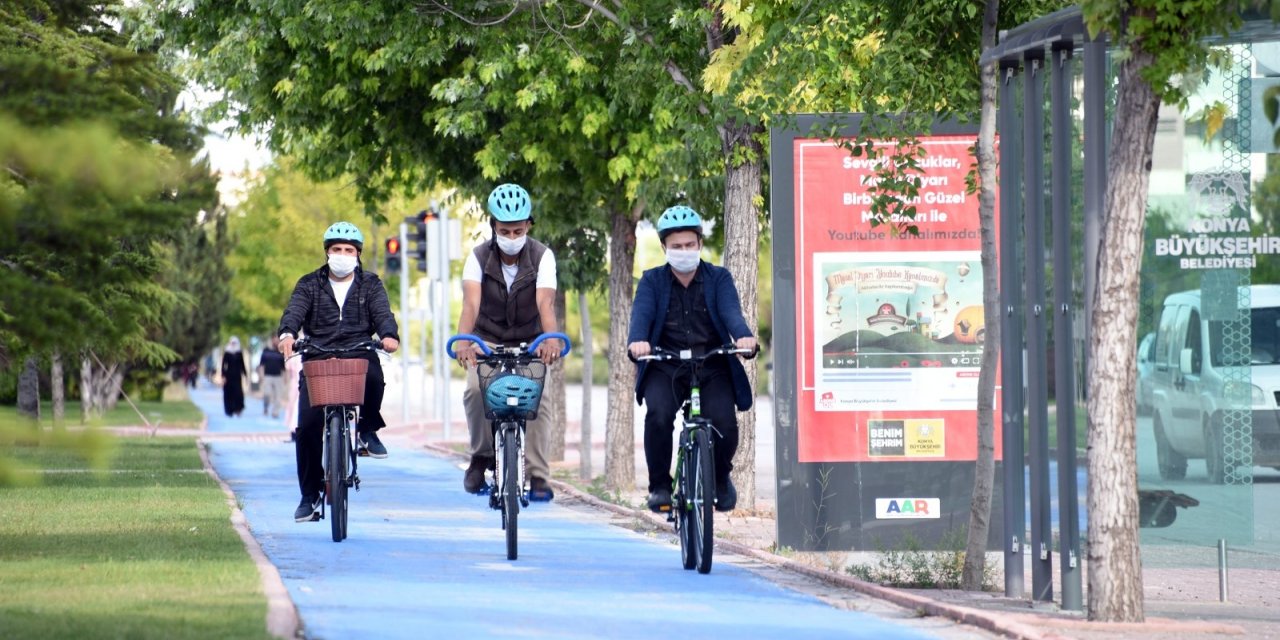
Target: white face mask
x=511 y=246
x=683 y=260
x=341 y=265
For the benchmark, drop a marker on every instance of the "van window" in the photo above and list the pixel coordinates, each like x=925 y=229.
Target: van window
x=1194 y=343
x=1264 y=330
x=1164 y=337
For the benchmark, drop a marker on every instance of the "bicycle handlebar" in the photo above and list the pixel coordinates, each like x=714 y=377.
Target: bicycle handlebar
x=303 y=346
x=659 y=354
x=488 y=352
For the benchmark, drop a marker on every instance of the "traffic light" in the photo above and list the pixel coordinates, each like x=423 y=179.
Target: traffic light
x=393 y=256
x=418 y=237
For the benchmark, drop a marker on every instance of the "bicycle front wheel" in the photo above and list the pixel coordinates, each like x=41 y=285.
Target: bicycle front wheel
x=511 y=488
x=703 y=500
x=338 y=453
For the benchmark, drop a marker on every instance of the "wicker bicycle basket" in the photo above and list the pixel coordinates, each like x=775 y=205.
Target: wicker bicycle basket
x=488 y=373
x=335 y=381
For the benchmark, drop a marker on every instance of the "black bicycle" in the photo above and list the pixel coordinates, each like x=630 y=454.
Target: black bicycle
x=335 y=381
x=693 y=501
x=511 y=382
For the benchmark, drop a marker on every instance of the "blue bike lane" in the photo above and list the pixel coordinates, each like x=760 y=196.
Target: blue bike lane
x=423 y=558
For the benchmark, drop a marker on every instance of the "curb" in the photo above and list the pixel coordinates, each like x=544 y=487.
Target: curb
x=282 y=615
x=973 y=617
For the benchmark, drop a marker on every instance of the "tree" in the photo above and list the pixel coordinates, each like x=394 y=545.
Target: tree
x=1162 y=42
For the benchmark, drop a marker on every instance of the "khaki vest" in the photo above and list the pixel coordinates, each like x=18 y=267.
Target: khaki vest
x=509 y=317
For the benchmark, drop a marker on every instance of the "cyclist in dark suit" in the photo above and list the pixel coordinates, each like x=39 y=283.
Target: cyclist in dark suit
x=688 y=304
x=337 y=305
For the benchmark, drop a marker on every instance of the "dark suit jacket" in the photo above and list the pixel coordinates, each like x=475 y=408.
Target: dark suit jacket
x=653 y=296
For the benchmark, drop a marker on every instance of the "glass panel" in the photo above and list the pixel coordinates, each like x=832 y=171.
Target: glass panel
x=1207 y=329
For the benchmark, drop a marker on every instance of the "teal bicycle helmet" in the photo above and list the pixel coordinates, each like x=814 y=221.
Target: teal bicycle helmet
x=509 y=203
x=678 y=218
x=511 y=393
x=343 y=232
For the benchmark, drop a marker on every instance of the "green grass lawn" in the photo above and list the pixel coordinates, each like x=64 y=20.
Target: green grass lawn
x=143 y=549
x=1082 y=427
x=177 y=414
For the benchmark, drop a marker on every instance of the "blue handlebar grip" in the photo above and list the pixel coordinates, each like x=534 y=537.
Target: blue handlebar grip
x=562 y=337
x=448 y=347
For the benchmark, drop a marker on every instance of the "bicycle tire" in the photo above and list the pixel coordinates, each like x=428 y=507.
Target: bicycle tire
x=680 y=502
x=704 y=482
x=511 y=489
x=336 y=476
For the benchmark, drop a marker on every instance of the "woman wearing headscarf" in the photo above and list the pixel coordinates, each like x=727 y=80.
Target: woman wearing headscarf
x=233 y=374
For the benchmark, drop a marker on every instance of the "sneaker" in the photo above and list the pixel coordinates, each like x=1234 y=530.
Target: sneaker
x=726 y=495
x=371 y=445
x=473 y=481
x=308 y=510
x=540 y=490
x=660 y=500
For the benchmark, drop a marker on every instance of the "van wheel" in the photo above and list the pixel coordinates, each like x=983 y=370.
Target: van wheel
x=1173 y=465
x=1215 y=460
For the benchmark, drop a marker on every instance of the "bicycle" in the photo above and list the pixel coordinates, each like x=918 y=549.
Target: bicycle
x=337 y=384
x=511 y=383
x=693 y=500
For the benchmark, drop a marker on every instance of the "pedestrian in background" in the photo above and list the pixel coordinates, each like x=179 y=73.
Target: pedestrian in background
x=233 y=375
x=271 y=372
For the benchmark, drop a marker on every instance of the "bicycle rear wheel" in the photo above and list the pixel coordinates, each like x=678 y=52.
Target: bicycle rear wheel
x=511 y=488
x=336 y=475
x=704 y=496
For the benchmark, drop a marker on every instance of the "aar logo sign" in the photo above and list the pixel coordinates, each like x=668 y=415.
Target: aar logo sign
x=907 y=508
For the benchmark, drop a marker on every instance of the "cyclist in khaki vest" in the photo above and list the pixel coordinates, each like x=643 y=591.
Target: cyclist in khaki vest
x=508 y=298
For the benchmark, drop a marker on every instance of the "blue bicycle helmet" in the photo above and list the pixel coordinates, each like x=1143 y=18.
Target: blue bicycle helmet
x=509 y=203
x=678 y=218
x=513 y=393
x=343 y=232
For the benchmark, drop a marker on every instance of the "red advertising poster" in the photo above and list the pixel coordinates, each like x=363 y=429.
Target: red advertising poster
x=891 y=327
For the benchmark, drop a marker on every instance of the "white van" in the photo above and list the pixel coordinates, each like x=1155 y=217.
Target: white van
x=1189 y=393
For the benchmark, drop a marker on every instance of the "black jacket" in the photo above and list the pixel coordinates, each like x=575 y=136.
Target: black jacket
x=313 y=308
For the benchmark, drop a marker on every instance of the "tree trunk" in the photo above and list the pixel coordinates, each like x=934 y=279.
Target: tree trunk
x=29 y=388
x=1115 y=566
x=100 y=386
x=588 y=370
x=984 y=473
x=558 y=405
x=86 y=389
x=619 y=435
x=741 y=258
x=57 y=388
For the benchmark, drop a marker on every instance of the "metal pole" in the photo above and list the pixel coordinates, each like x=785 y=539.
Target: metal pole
x=1222 y=569
x=1095 y=170
x=1063 y=337
x=1037 y=374
x=406 y=318
x=1011 y=398
x=444 y=319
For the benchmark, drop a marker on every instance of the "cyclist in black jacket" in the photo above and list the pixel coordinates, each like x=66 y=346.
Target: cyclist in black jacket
x=338 y=305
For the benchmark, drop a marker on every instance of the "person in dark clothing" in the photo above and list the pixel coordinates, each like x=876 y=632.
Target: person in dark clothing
x=233 y=375
x=688 y=304
x=338 y=305
x=508 y=298
x=271 y=369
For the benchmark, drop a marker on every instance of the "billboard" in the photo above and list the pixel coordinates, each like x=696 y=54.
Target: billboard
x=891 y=324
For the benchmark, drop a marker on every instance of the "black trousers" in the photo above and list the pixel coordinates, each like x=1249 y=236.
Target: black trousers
x=666 y=388
x=309 y=444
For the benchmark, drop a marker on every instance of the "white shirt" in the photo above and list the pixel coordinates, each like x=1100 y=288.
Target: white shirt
x=340 y=290
x=546 y=271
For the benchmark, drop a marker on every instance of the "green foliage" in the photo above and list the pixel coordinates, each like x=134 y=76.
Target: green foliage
x=909 y=565
x=1173 y=31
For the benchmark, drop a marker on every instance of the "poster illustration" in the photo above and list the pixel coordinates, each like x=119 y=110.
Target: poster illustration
x=891 y=324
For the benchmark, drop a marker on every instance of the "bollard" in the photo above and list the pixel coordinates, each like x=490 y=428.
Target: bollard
x=1222 y=570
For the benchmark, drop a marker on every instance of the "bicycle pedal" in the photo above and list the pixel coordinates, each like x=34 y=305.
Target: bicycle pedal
x=355 y=482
